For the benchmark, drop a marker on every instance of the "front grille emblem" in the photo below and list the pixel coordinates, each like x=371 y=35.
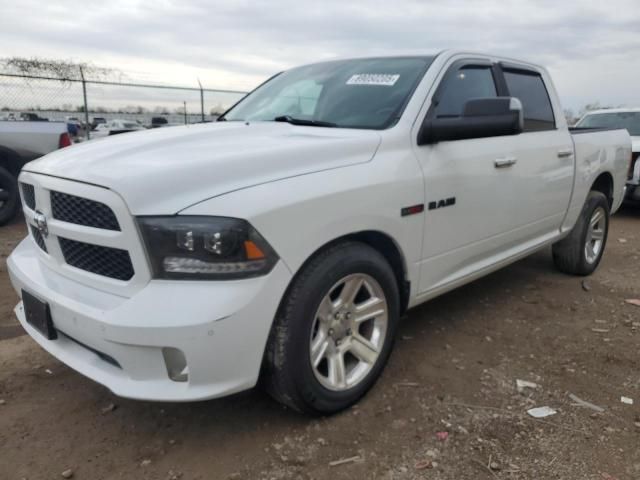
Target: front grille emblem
x=41 y=223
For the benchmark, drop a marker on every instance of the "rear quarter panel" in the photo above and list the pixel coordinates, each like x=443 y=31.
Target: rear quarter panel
x=596 y=153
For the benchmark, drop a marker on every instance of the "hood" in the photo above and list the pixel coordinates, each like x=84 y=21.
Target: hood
x=162 y=171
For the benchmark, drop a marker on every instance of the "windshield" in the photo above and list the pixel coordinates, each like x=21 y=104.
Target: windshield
x=363 y=93
x=628 y=120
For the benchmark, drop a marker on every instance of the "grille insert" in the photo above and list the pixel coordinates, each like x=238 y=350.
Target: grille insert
x=105 y=261
x=103 y=356
x=39 y=239
x=82 y=211
x=28 y=195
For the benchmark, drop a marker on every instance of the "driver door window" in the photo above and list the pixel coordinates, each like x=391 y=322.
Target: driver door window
x=466 y=83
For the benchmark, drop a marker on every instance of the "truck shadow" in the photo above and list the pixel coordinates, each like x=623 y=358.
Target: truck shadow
x=249 y=428
x=629 y=211
x=250 y=412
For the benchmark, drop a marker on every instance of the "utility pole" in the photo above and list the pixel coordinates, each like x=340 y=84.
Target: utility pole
x=201 y=101
x=86 y=105
x=185 y=111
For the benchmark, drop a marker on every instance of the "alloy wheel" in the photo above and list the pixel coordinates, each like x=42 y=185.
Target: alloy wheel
x=348 y=332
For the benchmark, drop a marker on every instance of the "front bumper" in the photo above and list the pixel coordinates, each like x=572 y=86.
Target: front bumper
x=220 y=327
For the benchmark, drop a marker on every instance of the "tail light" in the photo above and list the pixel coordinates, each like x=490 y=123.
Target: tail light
x=65 y=140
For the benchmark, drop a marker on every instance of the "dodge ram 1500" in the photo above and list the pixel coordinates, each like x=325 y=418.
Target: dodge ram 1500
x=286 y=240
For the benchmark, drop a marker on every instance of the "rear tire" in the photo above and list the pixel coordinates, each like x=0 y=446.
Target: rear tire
x=325 y=351
x=9 y=198
x=581 y=251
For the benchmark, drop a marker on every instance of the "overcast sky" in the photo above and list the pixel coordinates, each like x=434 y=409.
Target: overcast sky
x=592 y=48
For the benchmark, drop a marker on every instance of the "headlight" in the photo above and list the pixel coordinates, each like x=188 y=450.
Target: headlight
x=205 y=248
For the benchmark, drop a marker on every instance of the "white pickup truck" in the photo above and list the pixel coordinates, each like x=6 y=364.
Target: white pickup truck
x=285 y=241
x=21 y=142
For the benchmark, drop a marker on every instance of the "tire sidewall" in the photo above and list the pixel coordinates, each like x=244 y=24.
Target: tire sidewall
x=356 y=260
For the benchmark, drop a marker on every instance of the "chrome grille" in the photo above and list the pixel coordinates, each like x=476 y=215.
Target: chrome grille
x=39 y=239
x=82 y=211
x=106 y=261
x=28 y=195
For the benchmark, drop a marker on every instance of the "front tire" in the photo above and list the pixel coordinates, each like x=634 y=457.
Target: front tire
x=581 y=251
x=334 y=330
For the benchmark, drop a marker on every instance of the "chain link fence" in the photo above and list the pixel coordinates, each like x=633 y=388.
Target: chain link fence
x=31 y=97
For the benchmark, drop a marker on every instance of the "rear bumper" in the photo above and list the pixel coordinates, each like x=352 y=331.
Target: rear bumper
x=220 y=327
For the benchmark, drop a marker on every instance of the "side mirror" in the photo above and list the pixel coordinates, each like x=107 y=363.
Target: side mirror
x=481 y=117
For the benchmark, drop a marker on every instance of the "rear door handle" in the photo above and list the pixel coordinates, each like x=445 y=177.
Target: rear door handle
x=505 y=162
x=565 y=153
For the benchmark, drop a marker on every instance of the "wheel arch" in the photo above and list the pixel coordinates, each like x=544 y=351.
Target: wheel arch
x=604 y=184
x=386 y=246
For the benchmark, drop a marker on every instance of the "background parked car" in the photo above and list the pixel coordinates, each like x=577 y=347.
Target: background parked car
x=114 y=127
x=159 y=122
x=628 y=118
x=21 y=142
x=97 y=121
x=32 y=117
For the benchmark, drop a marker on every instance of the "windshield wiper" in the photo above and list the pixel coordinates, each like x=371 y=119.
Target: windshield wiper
x=301 y=121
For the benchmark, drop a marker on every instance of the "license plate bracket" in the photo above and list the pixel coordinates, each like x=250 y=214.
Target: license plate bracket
x=38 y=315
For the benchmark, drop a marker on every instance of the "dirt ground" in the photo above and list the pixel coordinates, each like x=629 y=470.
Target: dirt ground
x=446 y=407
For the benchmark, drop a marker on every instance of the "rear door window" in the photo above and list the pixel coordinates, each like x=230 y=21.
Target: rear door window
x=529 y=88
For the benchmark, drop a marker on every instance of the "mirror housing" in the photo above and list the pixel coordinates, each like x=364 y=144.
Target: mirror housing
x=481 y=117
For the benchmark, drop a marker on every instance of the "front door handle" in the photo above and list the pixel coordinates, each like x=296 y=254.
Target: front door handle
x=565 y=153
x=505 y=162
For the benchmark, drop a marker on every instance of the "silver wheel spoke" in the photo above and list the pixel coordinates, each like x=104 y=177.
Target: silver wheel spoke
x=597 y=235
x=350 y=290
x=319 y=349
x=597 y=216
x=368 y=309
x=363 y=349
x=326 y=309
x=337 y=372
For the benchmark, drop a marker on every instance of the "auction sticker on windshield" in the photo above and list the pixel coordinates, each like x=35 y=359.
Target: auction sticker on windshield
x=387 y=80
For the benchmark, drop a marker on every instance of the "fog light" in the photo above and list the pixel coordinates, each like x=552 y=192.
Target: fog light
x=176 y=364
